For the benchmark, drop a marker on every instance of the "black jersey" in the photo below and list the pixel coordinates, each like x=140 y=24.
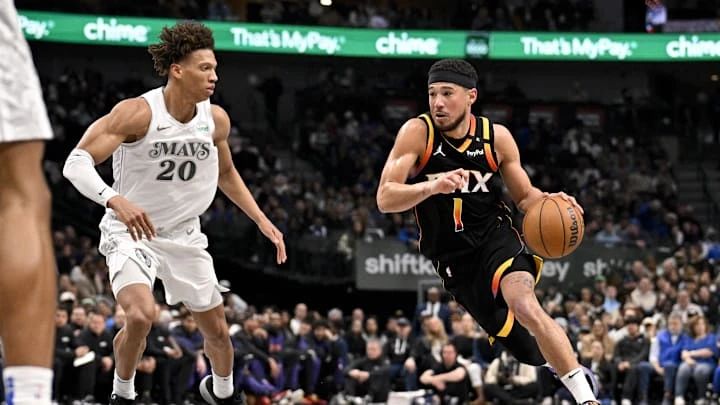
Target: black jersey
x=454 y=224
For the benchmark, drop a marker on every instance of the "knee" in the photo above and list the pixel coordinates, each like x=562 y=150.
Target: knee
x=701 y=372
x=139 y=320
x=217 y=336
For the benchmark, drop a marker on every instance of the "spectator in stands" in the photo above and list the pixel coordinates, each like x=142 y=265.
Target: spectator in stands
x=644 y=296
x=398 y=352
x=307 y=370
x=95 y=379
x=699 y=359
x=684 y=307
x=188 y=337
x=630 y=352
x=428 y=348
x=372 y=330
x=448 y=379
x=78 y=319
x=65 y=352
x=600 y=363
x=369 y=376
x=466 y=342
x=300 y=314
x=332 y=364
x=510 y=381
x=433 y=307
x=709 y=305
x=355 y=340
x=257 y=369
x=598 y=333
x=664 y=357
x=611 y=305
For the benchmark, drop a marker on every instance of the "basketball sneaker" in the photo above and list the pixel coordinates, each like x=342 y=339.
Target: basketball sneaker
x=117 y=400
x=206 y=392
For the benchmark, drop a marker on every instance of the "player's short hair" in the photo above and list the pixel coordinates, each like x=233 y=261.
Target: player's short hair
x=454 y=66
x=179 y=41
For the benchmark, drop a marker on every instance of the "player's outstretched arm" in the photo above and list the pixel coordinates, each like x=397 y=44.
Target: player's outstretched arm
x=232 y=185
x=521 y=190
x=393 y=194
x=127 y=122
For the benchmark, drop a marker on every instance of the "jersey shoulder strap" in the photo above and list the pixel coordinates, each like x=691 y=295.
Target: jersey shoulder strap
x=429 y=142
x=488 y=136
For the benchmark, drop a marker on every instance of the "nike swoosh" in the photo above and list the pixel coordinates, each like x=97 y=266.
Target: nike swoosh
x=576 y=373
x=103 y=190
x=159 y=128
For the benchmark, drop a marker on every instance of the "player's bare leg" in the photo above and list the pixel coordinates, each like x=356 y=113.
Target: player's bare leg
x=518 y=289
x=218 y=348
x=27 y=273
x=139 y=305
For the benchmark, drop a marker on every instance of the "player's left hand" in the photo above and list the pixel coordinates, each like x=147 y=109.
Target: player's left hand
x=569 y=199
x=274 y=234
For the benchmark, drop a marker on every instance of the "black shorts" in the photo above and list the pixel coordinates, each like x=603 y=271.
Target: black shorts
x=474 y=279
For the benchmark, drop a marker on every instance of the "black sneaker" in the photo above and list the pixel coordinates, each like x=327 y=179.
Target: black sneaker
x=117 y=400
x=206 y=392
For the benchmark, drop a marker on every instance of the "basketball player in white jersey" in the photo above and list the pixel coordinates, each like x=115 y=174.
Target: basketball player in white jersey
x=27 y=264
x=170 y=154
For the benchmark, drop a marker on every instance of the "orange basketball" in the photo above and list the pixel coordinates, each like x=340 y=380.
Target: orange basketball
x=553 y=228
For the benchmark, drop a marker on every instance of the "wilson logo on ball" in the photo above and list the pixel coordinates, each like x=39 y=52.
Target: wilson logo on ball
x=574 y=227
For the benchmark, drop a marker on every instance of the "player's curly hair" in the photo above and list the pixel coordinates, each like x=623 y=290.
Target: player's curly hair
x=458 y=66
x=177 y=42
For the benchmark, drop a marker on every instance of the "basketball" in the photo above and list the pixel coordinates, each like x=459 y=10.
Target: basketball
x=553 y=228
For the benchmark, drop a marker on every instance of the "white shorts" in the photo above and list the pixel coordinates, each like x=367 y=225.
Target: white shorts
x=23 y=116
x=176 y=256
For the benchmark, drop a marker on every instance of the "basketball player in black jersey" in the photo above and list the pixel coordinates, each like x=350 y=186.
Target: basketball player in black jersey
x=451 y=167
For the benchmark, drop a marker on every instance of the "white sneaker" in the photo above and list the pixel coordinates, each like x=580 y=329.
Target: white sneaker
x=679 y=401
x=625 y=402
x=547 y=401
x=297 y=395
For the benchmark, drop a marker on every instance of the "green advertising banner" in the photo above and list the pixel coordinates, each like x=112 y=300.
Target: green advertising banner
x=242 y=37
x=357 y=42
x=599 y=47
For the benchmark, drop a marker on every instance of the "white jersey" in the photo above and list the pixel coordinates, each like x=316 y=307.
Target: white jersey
x=172 y=173
x=22 y=111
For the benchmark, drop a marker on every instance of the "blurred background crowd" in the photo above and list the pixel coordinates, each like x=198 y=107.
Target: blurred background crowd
x=310 y=139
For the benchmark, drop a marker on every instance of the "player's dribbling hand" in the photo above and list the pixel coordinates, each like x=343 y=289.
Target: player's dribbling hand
x=276 y=237
x=449 y=182
x=136 y=220
x=569 y=199
x=653 y=3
